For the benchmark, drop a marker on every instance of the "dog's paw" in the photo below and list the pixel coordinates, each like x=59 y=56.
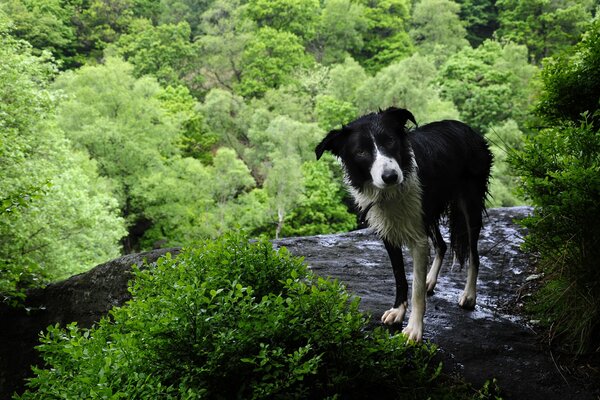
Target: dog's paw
x=467 y=301
x=414 y=330
x=394 y=315
x=430 y=285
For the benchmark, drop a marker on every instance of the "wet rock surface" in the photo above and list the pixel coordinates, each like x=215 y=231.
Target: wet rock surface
x=489 y=342
x=492 y=341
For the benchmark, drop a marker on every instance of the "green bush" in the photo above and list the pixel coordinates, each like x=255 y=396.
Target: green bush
x=560 y=168
x=572 y=80
x=561 y=175
x=232 y=319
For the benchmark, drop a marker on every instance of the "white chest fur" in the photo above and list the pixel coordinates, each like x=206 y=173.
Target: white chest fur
x=395 y=214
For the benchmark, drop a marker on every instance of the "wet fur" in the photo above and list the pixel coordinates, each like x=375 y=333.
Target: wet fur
x=406 y=181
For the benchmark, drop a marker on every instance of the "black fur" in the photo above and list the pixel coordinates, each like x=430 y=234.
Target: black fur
x=454 y=167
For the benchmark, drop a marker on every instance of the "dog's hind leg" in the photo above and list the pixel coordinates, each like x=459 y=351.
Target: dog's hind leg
x=440 y=251
x=473 y=216
x=395 y=315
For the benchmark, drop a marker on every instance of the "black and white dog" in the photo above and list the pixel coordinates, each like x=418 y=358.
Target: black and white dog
x=404 y=182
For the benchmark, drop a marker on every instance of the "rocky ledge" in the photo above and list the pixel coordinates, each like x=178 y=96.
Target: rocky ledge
x=492 y=341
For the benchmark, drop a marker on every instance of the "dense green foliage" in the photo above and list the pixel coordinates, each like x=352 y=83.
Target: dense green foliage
x=544 y=26
x=162 y=122
x=229 y=319
x=572 y=82
x=57 y=216
x=127 y=125
x=560 y=165
x=489 y=84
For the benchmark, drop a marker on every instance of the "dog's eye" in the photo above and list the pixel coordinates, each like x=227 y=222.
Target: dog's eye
x=362 y=154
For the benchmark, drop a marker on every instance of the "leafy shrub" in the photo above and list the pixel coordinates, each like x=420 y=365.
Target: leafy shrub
x=572 y=80
x=561 y=175
x=232 y=319
x=16 y=278
x=560 y=168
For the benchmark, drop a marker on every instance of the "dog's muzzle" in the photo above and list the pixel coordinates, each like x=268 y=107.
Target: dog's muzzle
x=389 y=177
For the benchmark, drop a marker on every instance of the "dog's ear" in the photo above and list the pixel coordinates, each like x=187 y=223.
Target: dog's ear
x=331 y=142
x=397 y=117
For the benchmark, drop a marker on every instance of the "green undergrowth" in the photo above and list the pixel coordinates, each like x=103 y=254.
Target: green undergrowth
x=233 y=319
x=560 y=175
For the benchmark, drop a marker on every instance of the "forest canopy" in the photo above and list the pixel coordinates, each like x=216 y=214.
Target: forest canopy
x=132 y=124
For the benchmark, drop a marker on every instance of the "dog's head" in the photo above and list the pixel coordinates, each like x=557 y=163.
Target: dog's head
x=373 y=149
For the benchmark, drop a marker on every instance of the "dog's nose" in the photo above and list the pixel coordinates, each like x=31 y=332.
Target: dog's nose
x=389 y=176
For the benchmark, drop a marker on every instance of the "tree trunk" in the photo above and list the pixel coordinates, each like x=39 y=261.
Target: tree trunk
x=280 y=216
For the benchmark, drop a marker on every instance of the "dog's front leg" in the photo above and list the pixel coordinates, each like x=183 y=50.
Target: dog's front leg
x=420 y=254
x=395 y=315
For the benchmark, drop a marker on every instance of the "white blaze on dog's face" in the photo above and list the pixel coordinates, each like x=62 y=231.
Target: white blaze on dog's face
x=374 y=150
x=385 y=170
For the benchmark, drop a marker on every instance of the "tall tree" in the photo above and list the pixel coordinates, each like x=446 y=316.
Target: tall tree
x=284 y=185
x=299 y=17
x=344 y=79
x=279 y=147
x=75 y=30
x=188 y=201
x=121 y=123
x=221 y=111
x=102 y=22
x=340 y=31
x=278 y=136
x=269 y=60
x=437 y=30
x=410 y=84
x=57 y=216
x=481 y=19
x=164 y=51
x=46 y=25
x=320 y=208
x=332 y=112
x=177 y=11
x=489 y=84
x=197 y=140
x=221 y=46
x=232 y=176
x=386 y=39
x=544 y=26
